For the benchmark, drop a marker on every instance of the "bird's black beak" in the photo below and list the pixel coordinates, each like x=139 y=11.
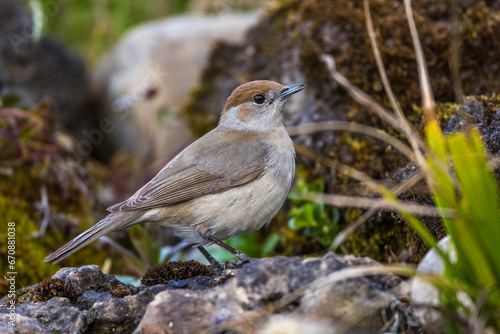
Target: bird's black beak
x=288 y=91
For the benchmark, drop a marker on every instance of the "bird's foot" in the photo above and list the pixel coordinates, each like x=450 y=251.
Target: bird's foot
x=243 y=258
x=216 y=266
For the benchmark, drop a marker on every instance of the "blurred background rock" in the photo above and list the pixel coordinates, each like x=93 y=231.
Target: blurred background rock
x=145 y=80
x=126 y=85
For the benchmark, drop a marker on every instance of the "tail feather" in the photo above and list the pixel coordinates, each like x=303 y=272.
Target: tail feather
x=112 y=222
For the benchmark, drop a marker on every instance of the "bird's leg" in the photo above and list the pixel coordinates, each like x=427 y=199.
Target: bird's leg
x=241 y=256
x=213 y=262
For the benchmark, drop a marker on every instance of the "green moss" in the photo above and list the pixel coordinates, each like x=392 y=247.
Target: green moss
x=56 y=287
x=378 y=239
x=34 y=166
x=47 y=289
x=121 y=291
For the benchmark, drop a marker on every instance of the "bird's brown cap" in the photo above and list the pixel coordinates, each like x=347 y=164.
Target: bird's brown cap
x=247 y=91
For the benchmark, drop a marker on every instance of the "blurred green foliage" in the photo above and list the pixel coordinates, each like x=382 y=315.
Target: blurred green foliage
x=475 y=230
x=92 y=27
x=316 y=219
x=149 y=254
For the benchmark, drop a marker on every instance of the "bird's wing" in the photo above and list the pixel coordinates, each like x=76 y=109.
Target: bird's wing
x=202 y=168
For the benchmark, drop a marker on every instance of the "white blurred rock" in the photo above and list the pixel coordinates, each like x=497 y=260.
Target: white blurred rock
x=423 y=293
x=293 y=324
x=148 y=75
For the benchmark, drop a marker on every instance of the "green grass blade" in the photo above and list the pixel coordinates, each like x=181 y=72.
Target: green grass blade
x=479 y=206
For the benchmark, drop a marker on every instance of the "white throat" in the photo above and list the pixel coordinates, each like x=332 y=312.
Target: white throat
x=265 y=122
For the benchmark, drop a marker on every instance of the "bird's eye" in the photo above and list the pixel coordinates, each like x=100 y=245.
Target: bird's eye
x=259 y=99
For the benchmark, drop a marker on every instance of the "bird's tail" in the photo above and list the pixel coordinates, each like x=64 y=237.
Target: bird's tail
x=112 y=222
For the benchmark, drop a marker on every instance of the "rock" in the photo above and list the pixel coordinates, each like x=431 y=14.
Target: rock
x=424 y=295
x=23 y=325
x=178 y=312
x=354 y=301
x=480 y=112
x=469 y=114
x=97 y=312
x=57 y=314
x=281 y=324
x=200 y=303
x=108 y=313
x=265 y=281
x=91 y=278
x=33 y=69
x=147 y=77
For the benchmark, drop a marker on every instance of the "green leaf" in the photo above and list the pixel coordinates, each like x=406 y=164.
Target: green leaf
x=302 y=217
x=245 y=243
x=270 y=244
x=435 y=140
x=145 y=245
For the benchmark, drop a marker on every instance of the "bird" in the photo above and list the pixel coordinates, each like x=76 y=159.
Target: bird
x=232 y=180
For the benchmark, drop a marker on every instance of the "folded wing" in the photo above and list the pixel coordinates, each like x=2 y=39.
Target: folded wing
x=199 y=170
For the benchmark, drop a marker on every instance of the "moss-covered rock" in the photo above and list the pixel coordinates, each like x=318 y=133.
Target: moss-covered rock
x=71 y=283
x=47 y=289
x=46 y=190
x=286 y=46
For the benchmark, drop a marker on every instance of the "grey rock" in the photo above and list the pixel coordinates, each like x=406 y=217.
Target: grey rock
x=177 y=312
x=107 y=313
x=471 y=114
x=23 y=325
x=57 y=314
x=92 y=278
x=354 y=300
x=96 y=312
x=267 y=280
x=201 y=303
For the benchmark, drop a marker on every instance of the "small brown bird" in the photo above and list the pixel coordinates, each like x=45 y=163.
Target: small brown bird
x=231 y=181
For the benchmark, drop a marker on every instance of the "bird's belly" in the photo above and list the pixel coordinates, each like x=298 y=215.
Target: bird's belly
x=235 y=211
